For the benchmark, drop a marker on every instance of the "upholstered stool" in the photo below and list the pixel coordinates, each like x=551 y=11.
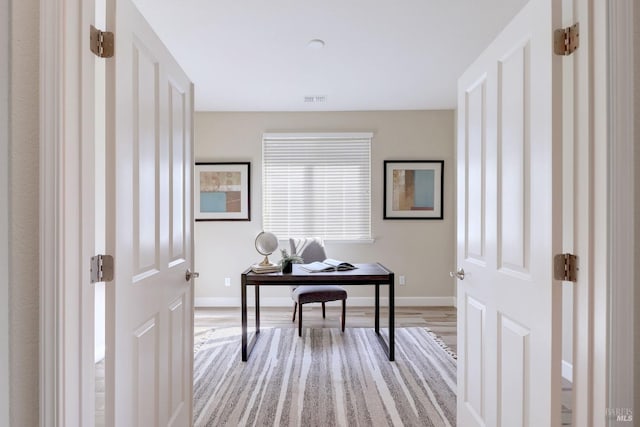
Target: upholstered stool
x=318 y=293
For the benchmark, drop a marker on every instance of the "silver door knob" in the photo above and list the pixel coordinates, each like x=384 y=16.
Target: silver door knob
x=458 y=274
x=191 y=275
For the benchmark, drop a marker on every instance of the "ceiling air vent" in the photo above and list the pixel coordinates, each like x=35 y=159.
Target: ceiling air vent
x=314 y=99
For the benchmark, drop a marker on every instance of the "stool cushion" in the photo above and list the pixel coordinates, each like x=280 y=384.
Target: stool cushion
x=311 y=293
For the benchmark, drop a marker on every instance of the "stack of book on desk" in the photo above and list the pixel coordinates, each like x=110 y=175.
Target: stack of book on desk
x=269 y=268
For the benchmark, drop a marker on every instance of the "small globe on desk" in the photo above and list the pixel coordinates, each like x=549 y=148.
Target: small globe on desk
x=266 y=243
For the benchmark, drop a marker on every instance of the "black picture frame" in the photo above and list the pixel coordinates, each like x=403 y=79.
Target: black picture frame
x=413 y=189
x=222 y=191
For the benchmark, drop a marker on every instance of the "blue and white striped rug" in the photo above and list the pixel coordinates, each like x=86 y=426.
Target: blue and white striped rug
x=325 y=378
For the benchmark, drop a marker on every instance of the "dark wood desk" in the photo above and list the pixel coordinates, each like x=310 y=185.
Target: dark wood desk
x=366 y=274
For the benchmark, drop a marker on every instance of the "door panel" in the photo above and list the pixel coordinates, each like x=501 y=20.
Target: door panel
x=513 y=159
x=145 y=164
x=177 y=343
x=177 y=106
x=513 y=373
x=146 y=372
x=508 y=229
x=475 y=149
x=474 y=358
x=149 y=220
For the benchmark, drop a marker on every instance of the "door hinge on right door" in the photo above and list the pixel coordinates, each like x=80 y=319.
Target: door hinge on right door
x=101 y=42
x=566 y=40
x=565 y=267
x=101 y=268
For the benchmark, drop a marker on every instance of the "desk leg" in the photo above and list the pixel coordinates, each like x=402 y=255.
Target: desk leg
x=392 y=318
x=376 y=314
x=257 y=309
x=243 y=289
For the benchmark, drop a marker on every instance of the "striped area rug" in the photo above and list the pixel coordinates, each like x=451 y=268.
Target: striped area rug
x=324 y=378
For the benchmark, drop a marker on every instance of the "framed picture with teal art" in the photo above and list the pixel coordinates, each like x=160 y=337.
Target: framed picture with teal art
x=413 y=189
x=222 y=191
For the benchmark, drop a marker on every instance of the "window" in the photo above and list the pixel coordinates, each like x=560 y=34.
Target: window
x=317 y=185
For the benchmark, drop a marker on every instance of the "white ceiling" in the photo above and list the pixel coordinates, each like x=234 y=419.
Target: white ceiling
x=252 y=55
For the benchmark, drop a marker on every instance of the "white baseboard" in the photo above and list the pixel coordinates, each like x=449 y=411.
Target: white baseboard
x=351 y=302
x=567 y=371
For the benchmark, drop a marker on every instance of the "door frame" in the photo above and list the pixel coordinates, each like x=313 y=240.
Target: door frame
x=621 y=221
x=592 y=233
x=67 y=390
x=67 y=212
x=4 y=210
x=594 y=236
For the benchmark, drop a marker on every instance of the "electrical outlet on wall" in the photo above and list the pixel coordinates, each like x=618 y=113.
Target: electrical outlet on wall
x=227 y=281
x=401 y=281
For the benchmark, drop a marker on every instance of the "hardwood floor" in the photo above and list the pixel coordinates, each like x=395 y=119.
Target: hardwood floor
x=441 y=320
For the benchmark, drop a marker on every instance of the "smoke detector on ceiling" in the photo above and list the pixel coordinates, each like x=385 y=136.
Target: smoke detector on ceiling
x=315 y=98
x=316 y=44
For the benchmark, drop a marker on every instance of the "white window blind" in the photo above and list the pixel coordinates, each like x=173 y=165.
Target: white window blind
x=317 y=185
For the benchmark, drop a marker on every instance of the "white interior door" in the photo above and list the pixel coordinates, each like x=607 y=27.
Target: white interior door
x=149 y=313
x=509 y=226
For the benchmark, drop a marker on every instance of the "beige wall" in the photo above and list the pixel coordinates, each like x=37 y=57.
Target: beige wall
x=23 y=202
x=423 y=251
